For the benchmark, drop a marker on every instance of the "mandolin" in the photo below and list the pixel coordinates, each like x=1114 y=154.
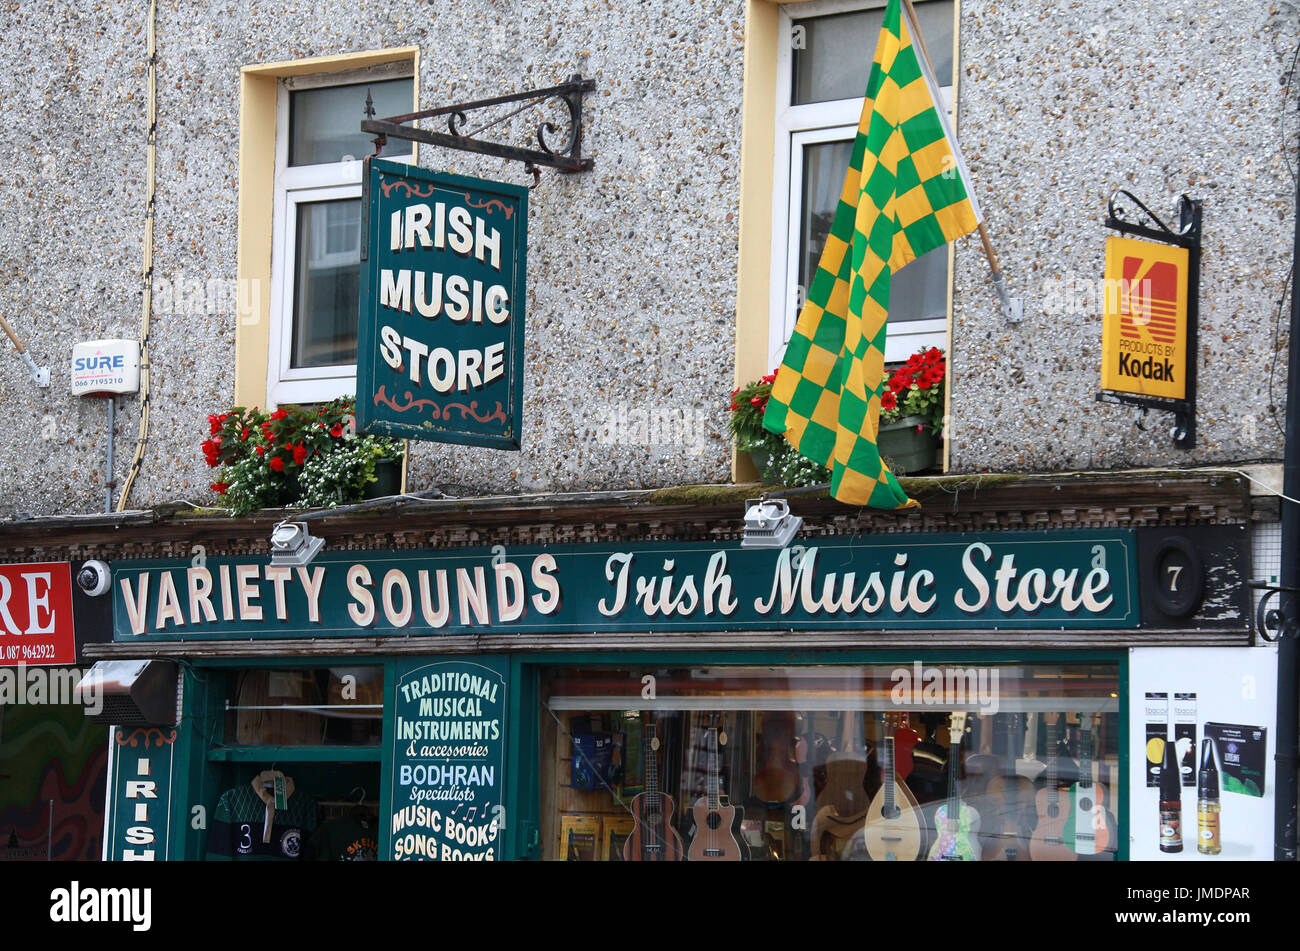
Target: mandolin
x=653 y=837
x=715 y=839
x=1007 y=799
x=1053 y=806
x=894 y=829
x=1087 y=830
x=956 y=823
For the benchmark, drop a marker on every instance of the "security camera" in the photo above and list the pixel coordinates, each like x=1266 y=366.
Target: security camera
x=94 y=578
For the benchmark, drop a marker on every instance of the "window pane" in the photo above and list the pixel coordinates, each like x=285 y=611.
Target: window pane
x=832 y=54
x=921 y=289
x=325 y=124
x=326 y=274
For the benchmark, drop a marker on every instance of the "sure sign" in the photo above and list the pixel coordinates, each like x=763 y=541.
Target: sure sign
x=442 y=306
x=36 y=614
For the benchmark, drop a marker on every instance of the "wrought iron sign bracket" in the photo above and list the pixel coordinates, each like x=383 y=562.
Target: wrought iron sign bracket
x=1147 y=224
x=566 y=157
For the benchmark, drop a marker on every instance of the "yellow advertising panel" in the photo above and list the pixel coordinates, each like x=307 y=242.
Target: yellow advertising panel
x=1144 y=327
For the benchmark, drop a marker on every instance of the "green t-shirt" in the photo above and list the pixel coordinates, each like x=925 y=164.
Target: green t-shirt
x=236 y=830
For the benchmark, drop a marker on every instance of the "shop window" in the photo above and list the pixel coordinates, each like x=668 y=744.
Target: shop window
x=821 y=75
x=317 y=219
x=795 y=764
x=312 y=736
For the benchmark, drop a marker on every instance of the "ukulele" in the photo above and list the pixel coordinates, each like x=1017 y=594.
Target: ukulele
x=715 y=839
x=894 y=827
x=1053 y=807
x=1008 y=797
x=956 y=823
x=1086 y=830
x=653 y=837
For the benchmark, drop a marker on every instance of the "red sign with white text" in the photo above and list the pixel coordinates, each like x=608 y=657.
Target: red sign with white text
x=36 y=614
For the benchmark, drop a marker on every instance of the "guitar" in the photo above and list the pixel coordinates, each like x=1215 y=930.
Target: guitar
x=845 y=797
x=894 y=829
x=1008 y=798
x=715 y=839
x=653 y=837
x=776 y=781
x=1053 y=807
x=1086 y=830
x=956 y=823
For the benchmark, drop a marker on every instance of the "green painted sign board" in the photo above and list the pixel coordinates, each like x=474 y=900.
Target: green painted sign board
x=441 y=325
x=976 y=580
x=142 y=772
x=447 y=730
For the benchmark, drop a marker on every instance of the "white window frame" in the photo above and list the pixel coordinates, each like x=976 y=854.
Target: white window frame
x=797 y=126
x=296 y=185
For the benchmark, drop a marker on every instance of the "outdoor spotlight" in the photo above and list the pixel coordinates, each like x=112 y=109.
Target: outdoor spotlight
x=769 y=524
x=292 y=545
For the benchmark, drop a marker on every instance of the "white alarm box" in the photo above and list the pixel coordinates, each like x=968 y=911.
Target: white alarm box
x=104 y=367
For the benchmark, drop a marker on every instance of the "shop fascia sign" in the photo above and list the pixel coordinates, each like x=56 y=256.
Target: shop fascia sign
x=1012 y=580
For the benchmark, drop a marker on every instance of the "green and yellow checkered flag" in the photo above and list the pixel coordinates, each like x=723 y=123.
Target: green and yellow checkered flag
x=906 y=193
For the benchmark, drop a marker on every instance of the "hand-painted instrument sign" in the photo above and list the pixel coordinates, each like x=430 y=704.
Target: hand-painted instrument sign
x=1144 y=331
x=448 y=760
x=441 y=325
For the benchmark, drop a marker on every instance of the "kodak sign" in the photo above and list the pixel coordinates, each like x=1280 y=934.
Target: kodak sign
x=1144 y=327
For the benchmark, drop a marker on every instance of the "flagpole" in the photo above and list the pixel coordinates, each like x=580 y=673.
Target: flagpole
x=999 y=282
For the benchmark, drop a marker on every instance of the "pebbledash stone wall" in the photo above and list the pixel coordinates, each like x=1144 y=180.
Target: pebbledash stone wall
x=632 y=267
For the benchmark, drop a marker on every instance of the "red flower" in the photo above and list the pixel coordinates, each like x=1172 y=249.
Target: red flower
x=219 y=487
x=888 y=401
x=268 y=432
x=770 y=378
x=276 y=463
x=920 y=427
x=279 y=414
x=244 y=435
x=337 y=430
x=756 y=400
x=261 y=450
x=299 y=454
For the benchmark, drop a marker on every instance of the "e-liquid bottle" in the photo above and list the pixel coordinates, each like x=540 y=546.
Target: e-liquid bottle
x=1207 y=802
x=1171 y=802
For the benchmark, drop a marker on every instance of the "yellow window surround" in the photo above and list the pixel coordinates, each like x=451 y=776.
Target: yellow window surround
x=257 y=120
x=757 y=137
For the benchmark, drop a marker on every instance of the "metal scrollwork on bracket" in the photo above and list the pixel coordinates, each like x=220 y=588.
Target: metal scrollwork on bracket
x=1118 y=218
x=566 y=158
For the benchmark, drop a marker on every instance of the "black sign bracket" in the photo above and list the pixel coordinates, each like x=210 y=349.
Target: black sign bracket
x=1142 y=222
x=565 y=156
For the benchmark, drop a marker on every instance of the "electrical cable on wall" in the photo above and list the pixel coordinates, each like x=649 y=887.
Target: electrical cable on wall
x=151 y=152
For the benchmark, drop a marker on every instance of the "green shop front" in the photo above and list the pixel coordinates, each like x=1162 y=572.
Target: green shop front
x=614 y=677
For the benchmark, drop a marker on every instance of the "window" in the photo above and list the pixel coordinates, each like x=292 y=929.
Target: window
x=821 y=75
x=833 y=763
x=317 y=220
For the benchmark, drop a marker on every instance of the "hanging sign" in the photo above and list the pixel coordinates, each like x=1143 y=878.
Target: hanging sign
x=441 y=323
x=448 y=735
x=1144 y=329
